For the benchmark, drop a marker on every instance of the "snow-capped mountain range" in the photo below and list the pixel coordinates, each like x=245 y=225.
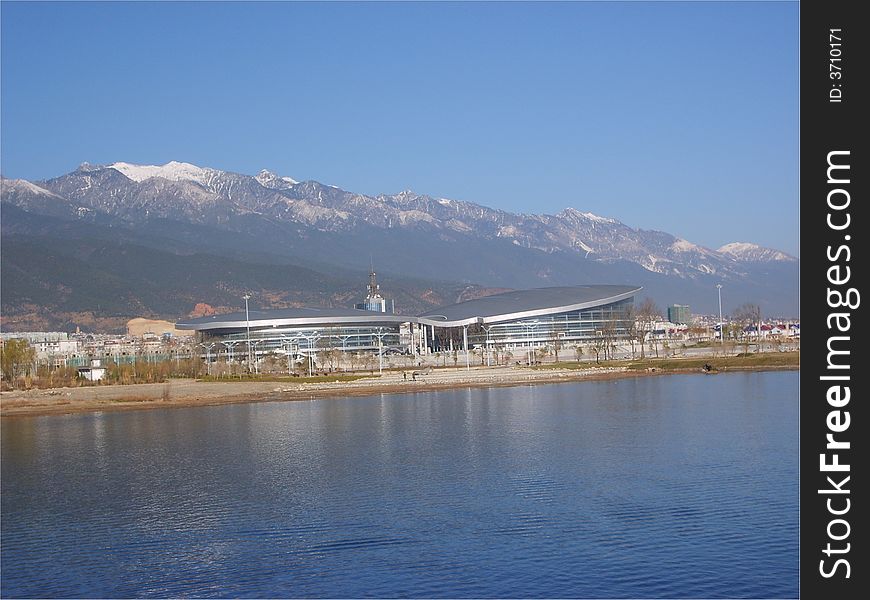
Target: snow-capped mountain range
x=121 y=223
x=748 y=252
x=186 y=192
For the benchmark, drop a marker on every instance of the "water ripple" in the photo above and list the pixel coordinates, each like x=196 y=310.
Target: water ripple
x=634 y=488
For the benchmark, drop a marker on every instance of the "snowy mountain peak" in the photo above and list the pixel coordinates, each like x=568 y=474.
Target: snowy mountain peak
x=588 y=216
x=748 y=252
x=22 y=185
x=681 y=245
x=266 y=178
x=173 y=170
x=220 y=197
x=269 y=179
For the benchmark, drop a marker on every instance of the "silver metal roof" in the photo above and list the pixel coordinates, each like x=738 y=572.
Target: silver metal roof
x=293 y=317
x=522 y=304
x=498 y=308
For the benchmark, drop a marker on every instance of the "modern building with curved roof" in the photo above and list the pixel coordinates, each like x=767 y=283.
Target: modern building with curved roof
x=297 y=330
x=527 y=304
x=543 y=316
x=521 y=318
x=292 y=317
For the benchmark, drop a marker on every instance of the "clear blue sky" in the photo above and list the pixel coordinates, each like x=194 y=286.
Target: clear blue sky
x=676 y=116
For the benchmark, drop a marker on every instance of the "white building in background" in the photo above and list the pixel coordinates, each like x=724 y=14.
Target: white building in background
x=95 y=372
x=49 y=345
x=54 y=349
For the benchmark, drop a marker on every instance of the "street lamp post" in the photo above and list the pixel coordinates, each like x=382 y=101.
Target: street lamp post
x=256 y=359
x=380 y=336
x=530 y=327
x=247 y=297
x=721 y=324
x=310 y=340
x=207 y=348
x=288 y=343
x=230 y=345
x=758 y=347
x=465 y=343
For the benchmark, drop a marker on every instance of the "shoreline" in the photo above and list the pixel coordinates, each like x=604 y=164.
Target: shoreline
x=191 y=393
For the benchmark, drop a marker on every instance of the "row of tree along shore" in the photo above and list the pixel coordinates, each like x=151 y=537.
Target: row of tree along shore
x=19 y=371
x=641 y=333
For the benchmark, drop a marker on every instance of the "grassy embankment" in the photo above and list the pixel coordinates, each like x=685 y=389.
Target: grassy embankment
x=287 y=379
x=744 y=361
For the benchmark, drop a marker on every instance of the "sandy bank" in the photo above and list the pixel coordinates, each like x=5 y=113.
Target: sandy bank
x=188 y=392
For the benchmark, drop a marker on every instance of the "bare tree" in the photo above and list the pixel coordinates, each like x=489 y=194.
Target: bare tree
x=608 y=334
x=328 y=352
x=747 y=315
x=555 y=343
x=732 y=330
x=481 y=354
x=272 y=363
x=628 y=323
x=777 y=343
x=647 y=315
x=497 y=351
x=598 y=344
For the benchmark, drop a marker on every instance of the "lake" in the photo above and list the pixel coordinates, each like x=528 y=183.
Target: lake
x=671 y=486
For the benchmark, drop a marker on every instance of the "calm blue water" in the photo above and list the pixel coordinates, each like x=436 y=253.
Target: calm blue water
x=675 y=486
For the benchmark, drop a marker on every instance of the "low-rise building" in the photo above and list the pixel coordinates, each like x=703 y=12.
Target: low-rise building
x=95 y=372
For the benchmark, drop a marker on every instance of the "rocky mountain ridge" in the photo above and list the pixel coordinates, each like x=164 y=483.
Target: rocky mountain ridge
x=442 y=244
x=182 y=191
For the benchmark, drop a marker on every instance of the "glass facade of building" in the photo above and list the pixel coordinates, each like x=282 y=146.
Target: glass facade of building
x=518 y=318
x=679 y=314
x=304 y=340
x=610 y=321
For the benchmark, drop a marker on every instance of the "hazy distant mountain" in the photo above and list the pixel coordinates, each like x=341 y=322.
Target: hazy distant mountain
x=746 y=252
x=406 y=234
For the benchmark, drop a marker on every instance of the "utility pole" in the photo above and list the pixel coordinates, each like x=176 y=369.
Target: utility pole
x=758 y=330
x=247 y=297
x=207 y=348
x=721 y=324
x=380 y=336
x=529 y=327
